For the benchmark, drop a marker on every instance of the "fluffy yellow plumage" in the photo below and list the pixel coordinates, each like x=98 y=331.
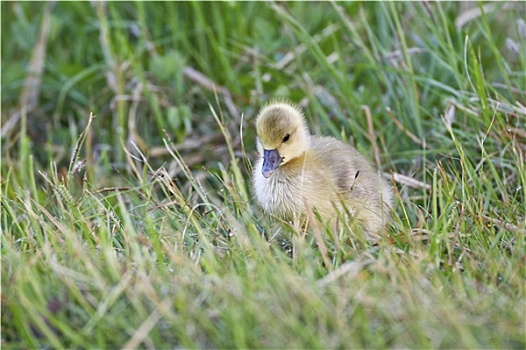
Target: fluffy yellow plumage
x=299 y=174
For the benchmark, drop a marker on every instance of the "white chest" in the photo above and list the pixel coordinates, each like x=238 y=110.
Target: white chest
x=280 y=195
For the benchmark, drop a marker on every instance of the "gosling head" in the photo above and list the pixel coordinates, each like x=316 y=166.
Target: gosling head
x=282 y=135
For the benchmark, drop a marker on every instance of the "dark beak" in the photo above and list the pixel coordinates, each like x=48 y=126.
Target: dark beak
x=271 y=160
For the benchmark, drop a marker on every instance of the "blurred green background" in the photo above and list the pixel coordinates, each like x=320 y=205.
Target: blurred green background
x=142 y=68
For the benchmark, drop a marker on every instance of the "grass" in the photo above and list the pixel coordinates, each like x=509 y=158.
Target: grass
x=127 y=211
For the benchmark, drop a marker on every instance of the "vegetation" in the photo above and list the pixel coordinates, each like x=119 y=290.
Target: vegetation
x=127 y=140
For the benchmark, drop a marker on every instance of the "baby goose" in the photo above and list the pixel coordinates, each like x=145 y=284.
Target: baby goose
x=299 y=174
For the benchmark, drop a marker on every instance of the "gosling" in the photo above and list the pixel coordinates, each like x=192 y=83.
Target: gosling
x=300 y=175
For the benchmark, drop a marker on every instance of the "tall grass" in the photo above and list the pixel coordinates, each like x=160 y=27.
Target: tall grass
x=136 y=227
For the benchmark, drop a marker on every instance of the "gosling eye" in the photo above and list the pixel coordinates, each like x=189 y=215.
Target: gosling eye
x=286 y=138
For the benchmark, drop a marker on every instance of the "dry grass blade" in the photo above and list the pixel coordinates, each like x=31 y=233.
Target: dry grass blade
x=31 y=90
x=372 y=136
x=207 y=83
x=188 y=145
x=510 y=227
x=104 y=40
x=113 y=189
x=403 y=128
x=319 y=241
x=475 y=12
x=141 y=334
x=289 y=56
x=408 y=181
x=351 y=268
